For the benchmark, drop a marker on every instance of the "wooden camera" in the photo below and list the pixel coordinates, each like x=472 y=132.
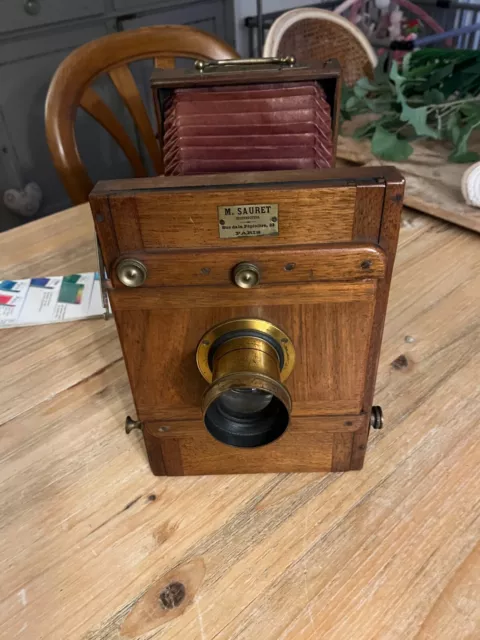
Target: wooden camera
x=250 y=306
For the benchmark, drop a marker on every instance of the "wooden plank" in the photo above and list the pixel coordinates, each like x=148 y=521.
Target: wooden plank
x=310 y=424
x=124 y=217
x=161 y=345
x=304 y=452
x=57 y=245
x=432 y=183
x=282 y=265
x=188 y=223
x=90 y=538
x=274 y=294
x=388 y=239
x=368 y=215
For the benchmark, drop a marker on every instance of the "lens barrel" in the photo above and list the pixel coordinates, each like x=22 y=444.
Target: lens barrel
x=246 y=405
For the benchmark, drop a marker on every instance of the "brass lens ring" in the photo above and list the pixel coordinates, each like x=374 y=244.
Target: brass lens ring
x=245 y=324
x=246 y=361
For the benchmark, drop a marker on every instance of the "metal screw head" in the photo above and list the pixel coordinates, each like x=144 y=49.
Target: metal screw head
x=131 y=272
x=246 y=275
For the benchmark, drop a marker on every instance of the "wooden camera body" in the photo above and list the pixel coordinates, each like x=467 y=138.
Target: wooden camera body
x=250 y=310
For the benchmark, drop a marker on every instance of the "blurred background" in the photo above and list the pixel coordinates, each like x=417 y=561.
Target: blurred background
x=36 y=35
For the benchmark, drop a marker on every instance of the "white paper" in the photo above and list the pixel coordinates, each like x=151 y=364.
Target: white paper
x=50 y=299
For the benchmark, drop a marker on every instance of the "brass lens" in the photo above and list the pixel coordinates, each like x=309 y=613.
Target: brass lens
x=246 y=405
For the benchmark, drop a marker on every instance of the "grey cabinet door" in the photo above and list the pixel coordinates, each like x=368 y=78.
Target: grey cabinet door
x=26 y=14
x=27 y=65
x=213 y=16
x=25 y=83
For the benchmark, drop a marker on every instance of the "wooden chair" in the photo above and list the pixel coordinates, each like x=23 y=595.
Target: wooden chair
x=317 y=34
x=70 y=88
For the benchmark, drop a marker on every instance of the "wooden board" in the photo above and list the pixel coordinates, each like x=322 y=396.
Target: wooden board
x=432 y=183
x=160 y=347
x=91 y=540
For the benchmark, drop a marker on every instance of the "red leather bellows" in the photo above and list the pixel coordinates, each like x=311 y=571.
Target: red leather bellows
x=258 y=127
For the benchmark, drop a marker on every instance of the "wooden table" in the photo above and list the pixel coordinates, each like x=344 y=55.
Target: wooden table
x=390 y=552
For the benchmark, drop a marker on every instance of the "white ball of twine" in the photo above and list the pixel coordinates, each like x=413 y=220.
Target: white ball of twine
x=471 y=185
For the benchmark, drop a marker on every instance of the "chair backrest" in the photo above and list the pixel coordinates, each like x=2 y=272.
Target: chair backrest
x=316 y=34
x=71 y=88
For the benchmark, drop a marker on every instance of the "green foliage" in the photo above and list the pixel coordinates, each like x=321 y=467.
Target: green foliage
x=388 y=146
x=435 y=94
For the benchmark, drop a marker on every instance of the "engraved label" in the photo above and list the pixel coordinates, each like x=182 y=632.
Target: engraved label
x=247 y=220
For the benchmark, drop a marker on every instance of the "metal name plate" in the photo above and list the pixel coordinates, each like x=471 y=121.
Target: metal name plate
x=247 y=220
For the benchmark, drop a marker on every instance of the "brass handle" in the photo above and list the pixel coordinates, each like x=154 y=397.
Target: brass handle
x=202 y=66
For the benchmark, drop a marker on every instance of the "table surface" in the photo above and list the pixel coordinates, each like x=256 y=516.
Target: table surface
x=90 y=539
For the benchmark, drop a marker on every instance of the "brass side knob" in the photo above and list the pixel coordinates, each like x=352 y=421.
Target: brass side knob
x=246 y=275
x=131 y=424
x=131 y=272
x=376 y=418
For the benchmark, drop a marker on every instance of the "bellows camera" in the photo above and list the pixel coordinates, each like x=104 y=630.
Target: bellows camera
x=249 y=284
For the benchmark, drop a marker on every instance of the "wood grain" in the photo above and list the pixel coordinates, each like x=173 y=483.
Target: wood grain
x=312 y=443
x=188 y=222
x=298 y=293
x=388 y=238
x=160 y=345
x=281 y=265
x=304 y=452
x=388 y=552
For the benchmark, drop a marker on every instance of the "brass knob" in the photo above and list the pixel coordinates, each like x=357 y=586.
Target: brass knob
x=131 y=272
x=131 y=424
x=376 y=418
x=246 y=275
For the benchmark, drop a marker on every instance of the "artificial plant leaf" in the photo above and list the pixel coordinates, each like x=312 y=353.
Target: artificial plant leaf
x=378 y=105
x=406 y=64
x=418 y=119
x=471 y=109
x=365 y=131
x=452 y=126
x=364 y=83
x=473 y=68
x=347 y=93
x=391 y=123
x=380 y=74
x=388 y=146
x=351 y=103
x=438 y=76
x=466 y=156
x=455 y=132
x=397 y=79
x=433 y=96
x=362 y=89
x=461 y=142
